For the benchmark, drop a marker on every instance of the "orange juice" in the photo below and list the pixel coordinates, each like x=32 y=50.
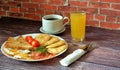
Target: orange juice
x=78 y=22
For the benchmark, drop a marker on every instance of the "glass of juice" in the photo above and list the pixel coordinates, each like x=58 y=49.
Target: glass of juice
x=78 y=23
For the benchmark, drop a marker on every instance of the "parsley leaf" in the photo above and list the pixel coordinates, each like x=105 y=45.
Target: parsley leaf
x=42 y=49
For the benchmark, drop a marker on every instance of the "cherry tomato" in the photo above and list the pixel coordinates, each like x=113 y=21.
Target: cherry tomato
x=35 y=43
x=30 y=41
x=28 y=38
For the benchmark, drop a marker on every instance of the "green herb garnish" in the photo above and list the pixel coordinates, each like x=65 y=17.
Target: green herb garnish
x=42 y=49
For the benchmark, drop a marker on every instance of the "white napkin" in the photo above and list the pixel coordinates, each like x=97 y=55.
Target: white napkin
x=72 y=57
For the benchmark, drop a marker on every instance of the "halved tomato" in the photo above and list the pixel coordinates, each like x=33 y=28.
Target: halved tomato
x=35 y=43
x=28 y=38
x=30 y=41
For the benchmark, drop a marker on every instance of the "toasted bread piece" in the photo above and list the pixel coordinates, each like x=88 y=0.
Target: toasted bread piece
x=10 y=39
x=52 y=40
x=59 y=43
x=21 y=40
x=19 y=43
x=57 y=49
x=42 y=38
x=12 y=43
x=24 y=43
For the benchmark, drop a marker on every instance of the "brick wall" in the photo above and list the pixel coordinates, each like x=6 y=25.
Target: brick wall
x=100 y=13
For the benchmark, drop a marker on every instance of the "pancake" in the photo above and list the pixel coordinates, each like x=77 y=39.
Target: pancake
x=52 y=40
x=19 y=43
x=57 y=49
x=42 y=38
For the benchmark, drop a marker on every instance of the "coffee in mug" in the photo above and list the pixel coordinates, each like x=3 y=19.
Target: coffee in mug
x=53 y=23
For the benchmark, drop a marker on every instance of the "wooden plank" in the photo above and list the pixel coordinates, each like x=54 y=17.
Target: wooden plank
x=103 y=55
x=90 y=66
x=54 y=65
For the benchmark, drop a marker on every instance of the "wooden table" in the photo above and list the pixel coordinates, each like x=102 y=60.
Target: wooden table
x=105 y=57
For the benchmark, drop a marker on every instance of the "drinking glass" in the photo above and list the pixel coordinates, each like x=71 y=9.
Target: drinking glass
x=78 y=23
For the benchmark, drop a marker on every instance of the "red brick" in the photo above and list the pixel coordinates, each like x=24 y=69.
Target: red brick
x=2 y=2
x=41 y=1
x=2 y=13
x=14 y=9
x=12 y=4
x=89 y=10
x=105 y=25
x=67 y=8
x=4 y=8
x=118 y=19
x=94 y=0
x=92 y=23
x=89 y=16
x=111 y=18
x=109 y=12
x=49 y=12
x=22 y=0
x=30 y=5
x=104 y=0
x=0 y=9
x=78 y=3
x=23 y=10
x=59 y=12
x=116 y=6
x=99 y=5
x=32 y=16
x=39 y=11
x=11 y=14
x=100 y=17
x=110 y=25
x=113 y=1
x=56 y=2
x=67 y=14
x=116 y=26
x=48 y=7
x=31 y=10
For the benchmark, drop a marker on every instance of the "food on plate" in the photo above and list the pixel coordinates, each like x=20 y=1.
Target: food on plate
x=11 y=43
x=10 y=51
x=41 y=46
x=59 y=43
x=27 y=38
x=52 y=40
x=43 y=38
x=35 y=43
x=24 y=43
x=56 y=50
x=18 y=43
x=32 y=41
x=39 y=55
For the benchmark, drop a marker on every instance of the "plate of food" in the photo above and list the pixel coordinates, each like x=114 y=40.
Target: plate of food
x=34 y=47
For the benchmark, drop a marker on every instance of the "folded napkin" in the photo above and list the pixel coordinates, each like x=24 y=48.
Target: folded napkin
x=72 y=57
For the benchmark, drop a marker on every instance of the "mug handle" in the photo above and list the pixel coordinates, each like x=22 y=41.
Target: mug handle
x=67 y=22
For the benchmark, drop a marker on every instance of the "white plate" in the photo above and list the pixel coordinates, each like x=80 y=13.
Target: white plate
x=41 y=29
x=33 y=35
